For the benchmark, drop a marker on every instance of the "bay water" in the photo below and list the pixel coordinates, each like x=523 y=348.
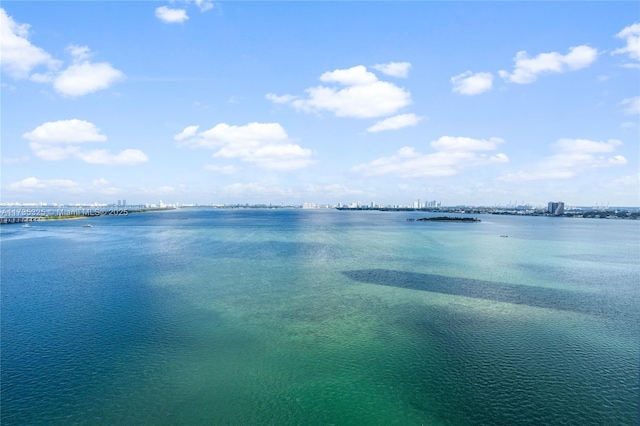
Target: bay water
x=320 y=317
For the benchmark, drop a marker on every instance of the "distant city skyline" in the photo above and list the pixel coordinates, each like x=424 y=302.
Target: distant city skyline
x=467 y=103
x=554 y=207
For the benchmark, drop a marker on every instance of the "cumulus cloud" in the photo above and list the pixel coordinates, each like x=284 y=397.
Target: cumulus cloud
x=631 y=35
x=284 y=99
x=171 y=16
x=188 y=132
x=469 y=83
x=460 y=143
x=102 y=156
x=394 y=69
x=572 y=157
x=65 y=131
x=631 y=105
x=204 y=5
x=355 y=76
x=31 y=184
x=18 y=56
x=395 y=122
x=356 y=93
x=59 y=140
x=178 y=15
x=451 y=156
x=527 y=69
x=82 y=76
x=585 y=146
x=265 y=144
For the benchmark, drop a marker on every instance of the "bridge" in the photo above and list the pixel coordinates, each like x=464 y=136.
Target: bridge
x=10 y=215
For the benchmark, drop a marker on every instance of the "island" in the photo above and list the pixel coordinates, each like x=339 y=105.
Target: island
x=445 y=219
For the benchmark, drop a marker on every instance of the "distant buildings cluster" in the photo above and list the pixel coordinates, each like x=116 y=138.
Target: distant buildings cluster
x=373 y=205
x=555 y=208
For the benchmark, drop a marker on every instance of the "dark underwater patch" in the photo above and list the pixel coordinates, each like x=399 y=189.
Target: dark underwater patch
x=540 y=297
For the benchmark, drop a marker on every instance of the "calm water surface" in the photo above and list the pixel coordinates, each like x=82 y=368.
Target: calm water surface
x=320 y=317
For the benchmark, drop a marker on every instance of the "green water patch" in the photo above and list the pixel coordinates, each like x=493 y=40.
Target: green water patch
x=472 y=366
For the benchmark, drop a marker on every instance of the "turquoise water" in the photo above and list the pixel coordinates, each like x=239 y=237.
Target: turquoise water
x=320 y=317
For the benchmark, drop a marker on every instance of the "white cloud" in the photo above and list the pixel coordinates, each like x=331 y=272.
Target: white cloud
x=394 y=123
x=631 y=105
x=188 y=132
x=394 y=69
x=452 y=143
x=84 y=77
x=469 y=83
x=363 y=97
x=79 y=53
x=264 y=144
x=453 y=154
x=18 y=56
x=225 y=170
x=572 y=157
x=204 y=5
x=251 y=134
x=375 y=100
x=284 y=99
x=102 y=156
x=585 y=145
x=32 y=183
x=355 y=76
x=65 y=131
x=631 y=35
x=58 y=140
x=171 y=16
x=527 y=69
x=52 y=152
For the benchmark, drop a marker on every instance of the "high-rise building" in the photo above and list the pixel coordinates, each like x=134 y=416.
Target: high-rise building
x=555 y=208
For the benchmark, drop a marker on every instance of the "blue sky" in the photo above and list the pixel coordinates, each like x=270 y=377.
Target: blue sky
x=268 y=102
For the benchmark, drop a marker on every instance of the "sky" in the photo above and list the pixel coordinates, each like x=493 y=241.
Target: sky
x=475 y=103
